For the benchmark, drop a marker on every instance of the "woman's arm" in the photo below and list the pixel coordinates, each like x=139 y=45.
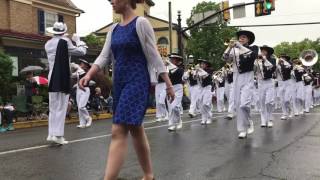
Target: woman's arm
x=85 y=80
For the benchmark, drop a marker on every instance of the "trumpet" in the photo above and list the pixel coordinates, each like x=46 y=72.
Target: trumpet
x=259 y=65
x=218 y=76
x=231 y=42
x=171 y=67
x=200 y=72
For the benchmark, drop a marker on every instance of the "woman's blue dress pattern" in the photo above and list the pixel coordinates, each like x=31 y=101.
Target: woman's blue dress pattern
x=131 y=77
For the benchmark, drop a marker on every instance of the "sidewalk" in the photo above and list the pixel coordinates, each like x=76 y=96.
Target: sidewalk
x=39 y=123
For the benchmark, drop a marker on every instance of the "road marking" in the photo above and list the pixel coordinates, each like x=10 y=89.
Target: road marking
x=87 y=139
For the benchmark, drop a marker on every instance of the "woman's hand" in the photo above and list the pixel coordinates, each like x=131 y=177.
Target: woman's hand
x=84 y=82
x=170 y=94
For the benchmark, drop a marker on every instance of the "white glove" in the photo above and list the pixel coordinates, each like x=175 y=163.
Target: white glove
x=76 y=38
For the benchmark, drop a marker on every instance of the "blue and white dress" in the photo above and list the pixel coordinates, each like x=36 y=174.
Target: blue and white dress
x=131 y=77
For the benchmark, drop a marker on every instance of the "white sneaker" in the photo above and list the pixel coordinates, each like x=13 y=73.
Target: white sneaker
x=209 y=121
x=158 y=119
x=311 y=107
x=203 y=122
x=50 y=138
x=179 y=126
x=270 y=124
x=230 y=116
x=263 y=125
x=284 y=117
x=242 y=135
x=89 y=122
x=191 y=115
x=296 y=114
x=172 y=128
x=251 y=127
x=301 y=113
x=60 y=140
x=81 y=126
x=291 y=116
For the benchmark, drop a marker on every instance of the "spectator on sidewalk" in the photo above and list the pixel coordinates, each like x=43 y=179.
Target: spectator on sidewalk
x=6 y=117
x=30 y=86
x=97 y=100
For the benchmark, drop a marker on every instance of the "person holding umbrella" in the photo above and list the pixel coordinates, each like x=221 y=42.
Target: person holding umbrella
x=59 y=49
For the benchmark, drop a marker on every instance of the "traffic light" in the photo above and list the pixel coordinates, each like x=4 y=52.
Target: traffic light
x=226 y=14
x=264 y=7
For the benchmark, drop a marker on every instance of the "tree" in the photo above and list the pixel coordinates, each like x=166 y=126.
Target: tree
x=93 y=41
x=6 y=68
x=207 y=41
x=294 y=49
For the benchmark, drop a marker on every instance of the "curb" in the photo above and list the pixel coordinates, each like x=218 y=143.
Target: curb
x=41 y=123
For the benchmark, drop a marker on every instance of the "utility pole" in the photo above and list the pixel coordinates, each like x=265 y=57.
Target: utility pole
x=180 y=46
x=170 y=28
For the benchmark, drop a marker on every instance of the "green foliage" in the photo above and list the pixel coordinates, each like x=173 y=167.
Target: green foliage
x=6 y=68
x=208 y=41
x=93 y=41
x=294 y=49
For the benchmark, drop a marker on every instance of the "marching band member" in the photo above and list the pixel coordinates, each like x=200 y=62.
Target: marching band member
x=243 y=56
x=175 y=73
x=160 y=96
x=265 y=66
x=219 y=81
x=316 y=90
x=205 y=75
x=59 y=49
x=191 y=77
x=308 y=79
x=82 y=96
x=298 y=94
x=286 y=84
x=229 y=90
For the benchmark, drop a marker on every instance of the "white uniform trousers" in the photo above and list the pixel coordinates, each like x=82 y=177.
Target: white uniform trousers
x=286 y=96
x=160 y=93
x=228 y=91
x=194 y=98
x=316 y=94
x=175 y=106
x=255 y=99
x=298 y=97
x=308 y=97
x=220 y=99
x=243 y=87
x=58 y=104
x=82 y=100
x=266 y=96
x=279 y=92
x=206 y=103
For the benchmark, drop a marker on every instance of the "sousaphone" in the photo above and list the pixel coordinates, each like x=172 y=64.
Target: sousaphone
x=309 y=57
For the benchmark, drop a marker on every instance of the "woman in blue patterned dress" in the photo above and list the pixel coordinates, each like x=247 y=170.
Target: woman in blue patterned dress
x=131 y=47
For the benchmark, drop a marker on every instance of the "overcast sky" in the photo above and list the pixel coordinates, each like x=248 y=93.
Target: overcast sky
x=99 y=13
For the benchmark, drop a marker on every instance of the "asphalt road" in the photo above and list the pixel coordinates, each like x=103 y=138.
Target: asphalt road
x=290 y=150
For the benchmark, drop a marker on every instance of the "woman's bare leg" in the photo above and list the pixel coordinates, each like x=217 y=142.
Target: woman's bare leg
x=117 y=151
x=142 y=149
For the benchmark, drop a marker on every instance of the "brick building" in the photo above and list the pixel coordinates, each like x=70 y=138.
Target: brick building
x=23 y=24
